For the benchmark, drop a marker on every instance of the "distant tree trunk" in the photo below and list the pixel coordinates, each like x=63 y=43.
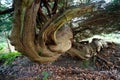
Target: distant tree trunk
x=48 y=43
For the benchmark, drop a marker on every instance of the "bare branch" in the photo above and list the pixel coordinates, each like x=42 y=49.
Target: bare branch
x=54 y=9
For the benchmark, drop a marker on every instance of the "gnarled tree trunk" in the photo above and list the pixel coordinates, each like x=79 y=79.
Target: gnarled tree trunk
x=47 y=44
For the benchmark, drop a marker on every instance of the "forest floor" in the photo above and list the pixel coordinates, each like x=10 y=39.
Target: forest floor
x=106 y=66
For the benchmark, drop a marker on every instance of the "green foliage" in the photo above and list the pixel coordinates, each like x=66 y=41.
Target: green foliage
x=1 y=50
x=9 y=57
x=86 y=63
x=45 y=74
x=2 y=46
x=6 y=19
x=5 y=22
x=113 y=6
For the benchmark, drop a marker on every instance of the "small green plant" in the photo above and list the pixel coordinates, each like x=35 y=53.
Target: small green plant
x=45 y=74
x=85 y=64
x=9 y=57
x=1 y=50
x=2 y=47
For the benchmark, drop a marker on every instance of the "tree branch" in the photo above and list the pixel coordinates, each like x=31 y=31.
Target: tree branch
x=54 y=9
x=59 y=20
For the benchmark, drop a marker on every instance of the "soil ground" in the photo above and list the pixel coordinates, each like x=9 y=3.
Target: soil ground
x=105 y=66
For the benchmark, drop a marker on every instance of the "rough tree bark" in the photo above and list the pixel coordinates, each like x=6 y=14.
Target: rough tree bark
x=50 y=42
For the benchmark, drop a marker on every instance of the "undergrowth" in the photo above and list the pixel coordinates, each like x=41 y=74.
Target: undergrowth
x=7 y=58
